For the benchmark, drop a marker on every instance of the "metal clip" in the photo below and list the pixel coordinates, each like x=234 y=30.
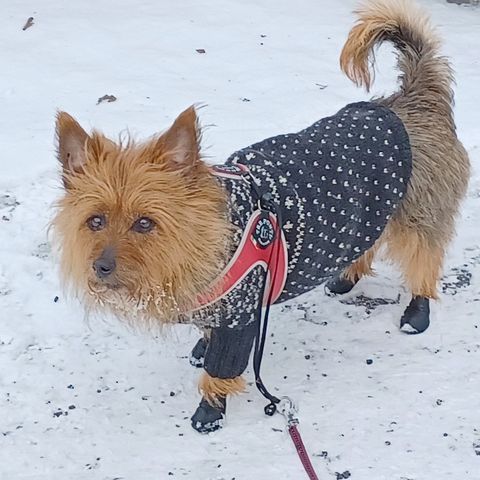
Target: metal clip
x=289 y=409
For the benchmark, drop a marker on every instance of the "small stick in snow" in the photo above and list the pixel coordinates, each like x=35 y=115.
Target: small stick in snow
x=29 y=23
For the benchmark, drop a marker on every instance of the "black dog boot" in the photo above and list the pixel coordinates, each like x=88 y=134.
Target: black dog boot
x=339 y=285
x=197 y=355
x=208 y=418
x=416 y=317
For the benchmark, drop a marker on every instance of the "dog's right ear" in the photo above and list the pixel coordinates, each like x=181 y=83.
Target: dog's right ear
x=71 y=143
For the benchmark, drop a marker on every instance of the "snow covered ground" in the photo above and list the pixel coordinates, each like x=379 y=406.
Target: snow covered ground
x=91 y=400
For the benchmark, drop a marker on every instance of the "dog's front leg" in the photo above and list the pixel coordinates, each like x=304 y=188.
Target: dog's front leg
x=210 y=414
x=226 y=358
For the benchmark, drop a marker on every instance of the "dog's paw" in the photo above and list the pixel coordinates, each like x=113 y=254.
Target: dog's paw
x=416 y=318
x=208 y=418
x=197 y=355
x=196 y=362
x=338 y=285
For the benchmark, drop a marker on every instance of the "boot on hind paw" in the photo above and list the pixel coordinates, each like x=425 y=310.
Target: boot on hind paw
x=339 y=285
x=208 y=418
x=197 y=356
x=416 y=318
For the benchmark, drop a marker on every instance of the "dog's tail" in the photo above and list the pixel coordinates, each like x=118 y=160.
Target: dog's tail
x=424 y=73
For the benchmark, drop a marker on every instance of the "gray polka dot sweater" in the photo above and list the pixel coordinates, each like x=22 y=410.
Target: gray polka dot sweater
x=337 y=183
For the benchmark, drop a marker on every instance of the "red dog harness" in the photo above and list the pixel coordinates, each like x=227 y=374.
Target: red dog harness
x=263 y=243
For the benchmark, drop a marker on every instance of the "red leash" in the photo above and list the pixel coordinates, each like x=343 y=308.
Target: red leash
x=288 y=409
x=302 y=452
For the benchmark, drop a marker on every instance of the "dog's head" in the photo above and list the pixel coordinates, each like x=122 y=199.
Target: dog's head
x=142 y=227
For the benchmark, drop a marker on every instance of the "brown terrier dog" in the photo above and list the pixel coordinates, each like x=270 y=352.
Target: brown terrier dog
x=146 y=229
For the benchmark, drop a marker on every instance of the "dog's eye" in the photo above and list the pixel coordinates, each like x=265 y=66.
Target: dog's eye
x=96 y=222
x=143 y=225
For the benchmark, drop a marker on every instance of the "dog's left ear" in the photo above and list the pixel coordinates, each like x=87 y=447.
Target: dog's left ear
x=71 y=143
x=180 y=143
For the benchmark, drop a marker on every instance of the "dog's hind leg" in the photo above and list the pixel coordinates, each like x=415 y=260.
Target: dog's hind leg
x=420 y=260
x=344 y=281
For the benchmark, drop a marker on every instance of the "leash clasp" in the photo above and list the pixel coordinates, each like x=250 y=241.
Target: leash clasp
x=289 y=409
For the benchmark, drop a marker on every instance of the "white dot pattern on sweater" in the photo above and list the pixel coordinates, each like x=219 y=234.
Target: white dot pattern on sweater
x=337 y=183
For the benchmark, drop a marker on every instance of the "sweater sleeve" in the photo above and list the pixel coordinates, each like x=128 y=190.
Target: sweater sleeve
x=228 y=351
x=232 y=338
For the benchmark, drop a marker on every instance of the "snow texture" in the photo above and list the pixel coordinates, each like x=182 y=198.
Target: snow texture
x=92 y=400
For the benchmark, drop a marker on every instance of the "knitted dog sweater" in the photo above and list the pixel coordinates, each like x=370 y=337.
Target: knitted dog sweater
x=337 y=183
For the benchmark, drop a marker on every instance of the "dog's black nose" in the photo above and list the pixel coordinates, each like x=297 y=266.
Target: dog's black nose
x=105 y=265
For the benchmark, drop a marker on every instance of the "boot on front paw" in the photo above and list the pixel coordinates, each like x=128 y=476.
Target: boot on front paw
x=339 y=285
x=416 y=317
x=208 y=418
x=197 y=355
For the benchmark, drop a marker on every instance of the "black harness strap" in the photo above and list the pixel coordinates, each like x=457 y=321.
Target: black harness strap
x=266 y=202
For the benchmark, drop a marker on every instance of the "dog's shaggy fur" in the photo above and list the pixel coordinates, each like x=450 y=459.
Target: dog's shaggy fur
x=213 y=388
x=417 y=236
x=159 y=275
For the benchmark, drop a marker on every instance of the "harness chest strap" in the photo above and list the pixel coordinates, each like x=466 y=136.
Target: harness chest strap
x=259 y=246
